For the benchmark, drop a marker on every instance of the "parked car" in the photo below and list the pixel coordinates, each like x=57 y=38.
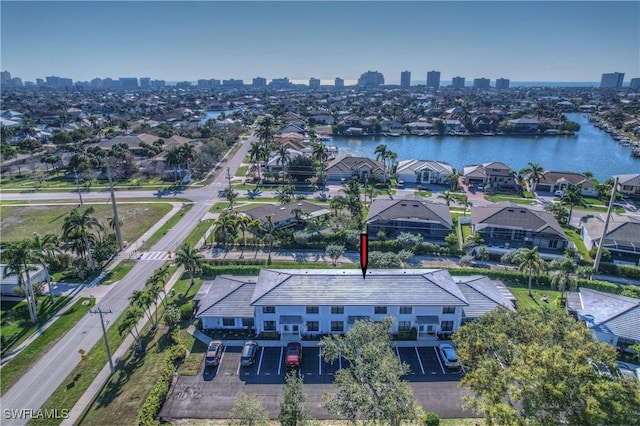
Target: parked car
x=249 y=352
x=400 y=183
x=214 y=353
x=293 y=358
x=628 y=371
x=480 y=187
x=559 y=193
x=448 y=355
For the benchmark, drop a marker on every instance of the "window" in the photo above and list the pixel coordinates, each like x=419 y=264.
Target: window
x=337 y=309
x=247 y=322
x=269 y=325
x=268 y=309
x=313 y=326
x=553 y=243
x=446 y=326
x=337 y=326
x=404 y=325
x=407 y=310
x=229 y=322
x=379 y=309
x=448 y=309
x=313 y=309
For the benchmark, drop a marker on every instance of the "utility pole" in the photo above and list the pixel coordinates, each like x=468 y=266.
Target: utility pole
x=116 y=219
x=78 y=185
x=104 y=334
x=596 y=264
x=229 y=177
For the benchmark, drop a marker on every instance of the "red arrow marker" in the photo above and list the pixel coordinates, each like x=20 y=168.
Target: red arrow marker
x=364 y=253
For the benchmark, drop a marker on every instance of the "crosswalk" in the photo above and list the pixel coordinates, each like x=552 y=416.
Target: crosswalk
x=153 y=255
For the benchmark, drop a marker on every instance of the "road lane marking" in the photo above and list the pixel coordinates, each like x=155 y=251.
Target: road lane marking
x=439 y=362
x=281 y=360
x=419 y=360
x=260 y=362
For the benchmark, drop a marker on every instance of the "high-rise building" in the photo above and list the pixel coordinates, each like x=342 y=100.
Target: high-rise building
x=233 y=83
x=39 y=82
x=259 y=83
x=612 y=80
x=371 y=79
x=405 y=79
x=314 y=83
x=145 y=82
x=457 y=82
x=128 y=82
x=433 y=79
x=635 y=83
x=481 y=83
x=280 y=83
x=339 y=83
x=502 y=83
x=158 y=83
x=5 y=77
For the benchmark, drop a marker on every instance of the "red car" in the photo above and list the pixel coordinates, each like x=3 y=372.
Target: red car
x=293 y=357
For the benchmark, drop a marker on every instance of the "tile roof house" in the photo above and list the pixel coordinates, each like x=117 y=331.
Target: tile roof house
x=629 y=184
x=310 y=302
x=560 y=181
x=424 y=171
x=515 y=226
x=411 y=214
x=622 y=239
x=133 y=142
x=495 y=174
x=285 y=214
x=612 y=318
x=346 y=166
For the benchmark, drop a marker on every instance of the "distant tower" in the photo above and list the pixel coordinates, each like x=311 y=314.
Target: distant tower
x=405 y=79
x=433 y=79
x=502 y=83
x=635 y=83
x=6 y=77
x=259 y=83
x=339 y=83
x=612 y=80
x=371 y=79
x=457 y=82
x=481 y=83
x=145 y=82
x=314 y=83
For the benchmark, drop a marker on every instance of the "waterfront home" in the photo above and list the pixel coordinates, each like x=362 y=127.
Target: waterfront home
x=320 y=117
x=629 y=185
x=290 y=214
x=313 y=302
x=514 y=226
x=133 y=142
x=622 y=239
x=424 y=171
x=453 y=125
x=411 y=214
x=559 y=181
x=525 y=125
x=346 y=166
x=419 y=127
x=612 y=318
x=497 y=175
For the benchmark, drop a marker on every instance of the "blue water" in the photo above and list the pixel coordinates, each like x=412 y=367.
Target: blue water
x=212 y=115
x=591 y=149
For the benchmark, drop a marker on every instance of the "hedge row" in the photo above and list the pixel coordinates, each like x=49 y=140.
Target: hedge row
x=155 y=399
x=626 y=271
x=215 y=270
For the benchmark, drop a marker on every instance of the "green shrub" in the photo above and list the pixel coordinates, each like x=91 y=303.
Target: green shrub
x=430 y=419
x=268 y=335
x=186 y=311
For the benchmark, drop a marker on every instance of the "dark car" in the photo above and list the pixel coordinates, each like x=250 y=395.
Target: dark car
x=293 y=357
x=249 y=352
x=214 y=353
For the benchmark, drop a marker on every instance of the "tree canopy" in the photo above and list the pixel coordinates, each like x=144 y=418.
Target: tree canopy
x=542 y=367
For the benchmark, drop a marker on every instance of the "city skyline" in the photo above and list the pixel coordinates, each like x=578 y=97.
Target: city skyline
x=521 y=41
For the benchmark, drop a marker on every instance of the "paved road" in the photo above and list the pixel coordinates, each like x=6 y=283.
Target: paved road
x=37 y=385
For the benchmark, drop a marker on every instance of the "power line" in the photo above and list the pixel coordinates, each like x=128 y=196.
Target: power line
x=104 y=334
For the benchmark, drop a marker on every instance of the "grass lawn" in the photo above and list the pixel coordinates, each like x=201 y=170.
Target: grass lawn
x=219 y=206
x=466 y=231
x=165 y=228
x=20 y=222
x=521 y=294
x=41 y=180
x=16 y=326
x=21 y=363
x=423 y=193
x=242 y=171
x=119 y=271
x=574 y=236
x=443 y=422
x=517 y=200
x=198 y=231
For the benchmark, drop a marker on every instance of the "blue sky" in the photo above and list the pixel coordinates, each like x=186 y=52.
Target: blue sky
x=523 y=41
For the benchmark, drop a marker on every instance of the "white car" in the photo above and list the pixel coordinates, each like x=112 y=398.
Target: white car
x=448 y=355
x=559 y=193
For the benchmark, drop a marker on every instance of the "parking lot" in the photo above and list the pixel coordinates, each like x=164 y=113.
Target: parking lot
x=424 y=364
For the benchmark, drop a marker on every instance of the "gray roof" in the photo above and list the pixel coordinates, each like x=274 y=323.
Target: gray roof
x=610 y=313
x=427 y=319
x=415 y=287
x=228 y=296
x=515 y=216
x=553 y=178
x=408 y=166
x=483 y=295
x=283 y=212
x=623 y=232
x=348 y=163
x=629 y=179
x=411 y=208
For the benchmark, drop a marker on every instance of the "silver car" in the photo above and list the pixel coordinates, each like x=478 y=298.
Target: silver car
x=448 y=355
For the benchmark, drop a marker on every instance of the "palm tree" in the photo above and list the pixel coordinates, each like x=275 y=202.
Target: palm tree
x=284 y=157
x=447 y=197
x=18 y=258
x=572 y=196
x=269 y=228
x=255 y=154
x=320 y=155
x=80 y=226
x=337 y=203
x=112 y=223
x=141 y=299
x=564 y=279
x=382 y=153
x=153 y=292
x=257 y=228
x=172 y=159
x=187 y=152
x=534 y=174
x=224 y=229
x=530 y=261
x=231 y=196
x=466 y=203
x=45 y=249
x=265 y=130
x=129 y=324
x=190 y=259
x=243 y=222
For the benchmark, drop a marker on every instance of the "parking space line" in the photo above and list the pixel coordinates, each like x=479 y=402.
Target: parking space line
x=419 y=360
x=439 y=362
x=222 y=356
x=239 y=363
x=319 y=362
x=280 y=363
x=398 y=355
x=260 y=362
